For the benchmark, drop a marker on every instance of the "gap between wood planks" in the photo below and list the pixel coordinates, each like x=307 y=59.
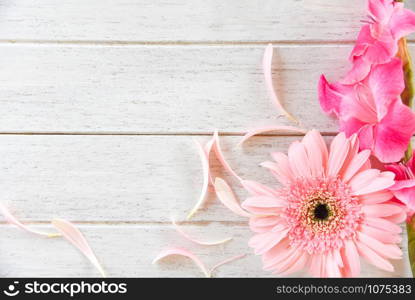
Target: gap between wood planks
x=183 y=43
x=110 y=133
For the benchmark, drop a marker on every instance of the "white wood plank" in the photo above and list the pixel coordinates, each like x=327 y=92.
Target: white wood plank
x=127 y=251
x=151 y=89
x=120 y=178
x=181 y=20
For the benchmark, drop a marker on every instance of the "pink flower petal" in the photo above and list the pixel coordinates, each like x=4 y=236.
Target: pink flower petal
x=205 y=185
x=299 y=162
x=386 y=83
x=393 y=133
x=257 y=189
x=383 y=224
x=381 y=210
x=374 y=258
x=221 y=157
x=351 y=258
x=355 y=165
x=339 y=150
x=262 y=242
x=330 y=99
x=226 y=261
x=266 y=129
x=283 y=171
x=316 y=151
x=183 y=252
x=267 y=69
x=384 y=250
x=227 y=197
x=12 y=220
x=376 y=197
x=370 y=181
x=402 y=22
x=197 y=241
x=380 y=235
x=73 y=235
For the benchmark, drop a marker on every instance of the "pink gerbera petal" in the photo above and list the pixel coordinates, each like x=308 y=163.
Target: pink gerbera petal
x=332 y=210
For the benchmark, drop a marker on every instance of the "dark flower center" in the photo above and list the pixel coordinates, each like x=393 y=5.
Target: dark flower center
x=321 y=211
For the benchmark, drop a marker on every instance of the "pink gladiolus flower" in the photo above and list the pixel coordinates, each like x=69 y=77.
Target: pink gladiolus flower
x=373 y=110
x=377 y=43
x=404 y=187
x=332 y=210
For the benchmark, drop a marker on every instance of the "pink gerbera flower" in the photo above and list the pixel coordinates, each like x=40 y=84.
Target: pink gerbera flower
x=332 y=209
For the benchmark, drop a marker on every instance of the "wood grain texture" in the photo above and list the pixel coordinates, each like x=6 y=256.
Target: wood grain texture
x=127 y=251
x=121 y=178
x=152 y=89
x=181 y=20
x=129 y=84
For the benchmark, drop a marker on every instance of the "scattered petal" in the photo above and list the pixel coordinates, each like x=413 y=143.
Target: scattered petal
x=227 y=197
x=226 y=261
x=279 y=129
x=196 y=241
x=267 y=69
x=73 y=235
x=205 y=167
x=186 y=253
x=221 y=158
x=12 y=220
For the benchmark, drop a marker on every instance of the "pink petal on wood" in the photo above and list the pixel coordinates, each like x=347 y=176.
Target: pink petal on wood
x=267 y=69
x=272 y=128
x=196 y=241
x=12 y=220
x=183 y=252
x=221 y=157
x=226 y=261
x=227 y=197
x=205 y=185
x=73 y=235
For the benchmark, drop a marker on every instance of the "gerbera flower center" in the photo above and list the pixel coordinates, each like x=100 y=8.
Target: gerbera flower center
x=322 y=213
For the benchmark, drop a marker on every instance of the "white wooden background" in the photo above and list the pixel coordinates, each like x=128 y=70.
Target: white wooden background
x=100 y=101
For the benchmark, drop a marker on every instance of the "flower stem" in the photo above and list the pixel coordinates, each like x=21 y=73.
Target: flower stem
x=410 y=229
x=407 y=95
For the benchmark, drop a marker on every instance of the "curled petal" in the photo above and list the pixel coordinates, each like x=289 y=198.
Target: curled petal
x=205 y=168
x=227 y=197
x=267 y=69
x=12 y=220
x=266 y=129
x=186 y=253
x=197 y=241
x=73 y=235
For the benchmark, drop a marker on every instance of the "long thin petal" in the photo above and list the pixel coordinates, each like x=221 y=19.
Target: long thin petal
x=374 y=258
x=197 y=241
x=356 y=164
x=226 y=261
x=299 y=161
x=13 y=220
x=271 y=128
x=257 y=189
x=183 y=252
x=221 y=157
x=227 y=197
x=205 y=185
x=351 y=258
x=316 y=151
x=339 y=150
x=73 y=235
x=267 y=69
